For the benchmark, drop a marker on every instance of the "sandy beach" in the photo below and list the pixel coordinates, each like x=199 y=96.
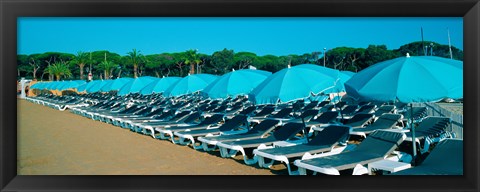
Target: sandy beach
x=52 y=142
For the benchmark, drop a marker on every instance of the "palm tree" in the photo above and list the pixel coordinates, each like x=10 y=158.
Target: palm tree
x=135 y=58
x=59 y=69
x=80 y=59
x=192 y=60
x=108 y=68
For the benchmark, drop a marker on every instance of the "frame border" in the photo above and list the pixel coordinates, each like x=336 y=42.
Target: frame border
x=10 y=10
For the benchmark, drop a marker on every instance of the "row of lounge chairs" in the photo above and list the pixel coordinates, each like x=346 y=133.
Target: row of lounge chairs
x=309 y=136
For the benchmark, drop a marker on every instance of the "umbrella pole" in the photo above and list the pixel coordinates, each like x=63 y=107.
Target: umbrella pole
x=412 y=129
x=341 y=114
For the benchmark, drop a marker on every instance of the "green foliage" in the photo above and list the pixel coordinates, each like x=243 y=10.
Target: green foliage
x=191 y=58
x=160 y=64
x=107 y=67
x=271 y=63
x=244 y=59
x=376 y=53
x=135 y=59
x=220 y=62
x=418 y=49
x=59 y=69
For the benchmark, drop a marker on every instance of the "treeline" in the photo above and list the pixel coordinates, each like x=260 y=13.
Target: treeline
x=106 y=65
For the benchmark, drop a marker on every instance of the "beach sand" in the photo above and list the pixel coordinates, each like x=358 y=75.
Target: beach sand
x=52 y=142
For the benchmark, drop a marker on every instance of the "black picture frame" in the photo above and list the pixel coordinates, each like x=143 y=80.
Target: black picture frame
x=10 y=10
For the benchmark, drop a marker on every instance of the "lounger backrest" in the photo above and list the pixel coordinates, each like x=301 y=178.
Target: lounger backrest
x=311 y=105
x=234 y=108
x=326 y=117
x=340 y=104
x=326 y=108
x=366 y=109
x=220 y=109
x=212 y=119
x=331 y=135
x=323 y=103
x=157 y=111
x=248 y=110
x=418 y=112
x=362 y=103
x=180 y=115
x=447 y=156
x=359 y=120
x=192 y=117
x=387 y=120
x=381 y=142
x=308 y=114
x=384 y=109
x=298 y=105
x=350 y=109
x=287 y=131
x=283 y=113
x=265 y=126
x=166 y=114
x=144 y=111
x=233 y=123
x=433 y=124
x=265 y=111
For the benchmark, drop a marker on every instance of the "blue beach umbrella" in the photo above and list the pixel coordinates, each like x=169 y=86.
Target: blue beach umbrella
x=42 y=85
x=349 y=73
x=83 y=87
x=159 y=85
x=97 y=86
x=38 y=85
x=47 y=84
x=409 y=80
x=341 y=78
x=116 y=84
x=52 y=85
x=235 y=83
x=70 y=84
x=190 y=84
x=292 y=83
x=135 y=85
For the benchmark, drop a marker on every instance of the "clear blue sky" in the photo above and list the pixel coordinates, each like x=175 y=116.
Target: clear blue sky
x=277 y=36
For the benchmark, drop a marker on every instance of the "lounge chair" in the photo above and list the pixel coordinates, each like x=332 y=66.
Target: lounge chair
x=305 y=117
x=310 y=105
x=324 y=119
x=415 y=113
x=357 y=121
x=370 y=108
x=384 y=109
x=267 y=110
x=445 y=159
x=323 y=103
x=236 y=125
x=258 y=131
x=283 y=114
x=376 y=146
x=360 y=120
x=287 y=132
x=167 y=131
x=385 y=121
x=431 y=130
x=191 y=119
x=148 y=115
x=160 y=115
x=326 y=143
x=349 y=110
x=248 y=111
